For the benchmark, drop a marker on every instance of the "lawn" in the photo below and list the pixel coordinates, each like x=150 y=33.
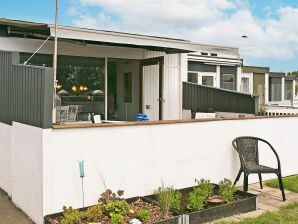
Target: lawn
x=290 y=183
x=285 y=215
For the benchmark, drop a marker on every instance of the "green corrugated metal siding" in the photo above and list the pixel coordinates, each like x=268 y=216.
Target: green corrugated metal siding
x=201 y=99
x=26 y=94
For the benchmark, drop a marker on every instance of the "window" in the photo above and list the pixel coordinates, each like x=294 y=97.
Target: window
x=207 y=80
x=127 y=87
x=192 y=77
x=80 y=88
x=275 y=85
x=204 y=54
x=213 y=54
x=228 y=81
x=288 y=89
x=245 y=85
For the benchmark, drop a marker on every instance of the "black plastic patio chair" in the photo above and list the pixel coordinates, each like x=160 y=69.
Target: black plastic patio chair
x=248 y=150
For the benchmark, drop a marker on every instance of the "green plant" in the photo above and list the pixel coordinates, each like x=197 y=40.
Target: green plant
x=93 y=213
x=227 y=189
x=143 y=215
x=263 y=109
x=168 y=198
x=117 y=207
x=197 y=198
x=70 y=216
x=175 y=205
x=205 y=187
x=117 y=219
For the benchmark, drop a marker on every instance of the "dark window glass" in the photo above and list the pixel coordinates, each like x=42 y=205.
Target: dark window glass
x=207 y=80
x=192 y=77
x=228 y=81
x=128 y=87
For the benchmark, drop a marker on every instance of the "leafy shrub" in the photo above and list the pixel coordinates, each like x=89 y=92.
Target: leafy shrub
x=197 y=198
x=176 y=201
x=117 y=207
x=117 y=219
x=168 y=198
x=143 y=215
x=93 y=213
x=227 y=189
x=70 y=216
x=205 y=186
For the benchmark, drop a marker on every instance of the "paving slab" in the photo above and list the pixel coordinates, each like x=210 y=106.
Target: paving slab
x=9 y=214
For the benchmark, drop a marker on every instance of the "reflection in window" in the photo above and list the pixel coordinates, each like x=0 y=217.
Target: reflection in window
x=207 y=80
x=228 y=81
x=128 y=87
x=81 y=87
x=192 y=77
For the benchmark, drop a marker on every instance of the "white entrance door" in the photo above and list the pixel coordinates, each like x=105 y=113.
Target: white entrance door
x=151 y=91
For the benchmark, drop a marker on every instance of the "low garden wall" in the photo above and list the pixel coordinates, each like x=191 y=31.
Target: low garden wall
x=136 y=158
x=139 y=158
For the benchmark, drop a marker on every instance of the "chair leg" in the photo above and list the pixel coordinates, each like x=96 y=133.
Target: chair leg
x=260 y=179
x=281 y=186
x=245 y=182
x=238 y=177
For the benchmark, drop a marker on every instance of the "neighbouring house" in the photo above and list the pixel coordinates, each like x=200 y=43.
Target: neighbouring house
x=256 y=81
x=46 y=126
x=220 y=69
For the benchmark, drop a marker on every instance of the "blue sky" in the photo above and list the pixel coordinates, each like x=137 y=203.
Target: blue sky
x=271 y=25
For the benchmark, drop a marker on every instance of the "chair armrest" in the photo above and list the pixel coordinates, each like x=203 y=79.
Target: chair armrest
x=273 y=150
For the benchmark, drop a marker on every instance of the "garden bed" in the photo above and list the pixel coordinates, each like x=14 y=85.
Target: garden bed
x=202 y=203
x=137 y=204
x=244 y=202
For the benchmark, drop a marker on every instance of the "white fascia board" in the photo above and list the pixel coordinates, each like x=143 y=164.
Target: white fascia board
x=134 y=39
x=119 y=38
x=216 y=61
x=221 y=50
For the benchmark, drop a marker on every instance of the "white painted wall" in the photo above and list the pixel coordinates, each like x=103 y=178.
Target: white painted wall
x=266 y=88
x=172 y=83
x=27 y=170
x=283 y=89
x=6 y=158
x=137 y=158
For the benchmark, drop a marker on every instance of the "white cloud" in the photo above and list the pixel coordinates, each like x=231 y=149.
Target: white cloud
x=206 y=21
x=72 y=11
